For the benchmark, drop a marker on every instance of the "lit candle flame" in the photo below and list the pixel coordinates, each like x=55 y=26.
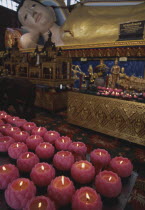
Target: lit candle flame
x=100 y=153
x=4 y=141
x=52 y=134
x=21 y=133
x=62 y=180
x=121 y=161
x=17 y=145
x=35 y=137
x=45 y=146
x=21 y=183
x=3 y=126
x=14 y=119
x=110 y=178
x=63 y=155
x=39 y=205
x=63 y=140
x=87 y=196
x=83 y=165
x=29 y=126
x=42 y=168
x=28 y=155
x=4 y=168
x=12 y=129
x=39 y=129
x=77 y=145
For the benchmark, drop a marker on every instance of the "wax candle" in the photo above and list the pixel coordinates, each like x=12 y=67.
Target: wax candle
x=11 y=130
x=51 y=136
x=39 y=131
x=63 y=160
x=1 y=122
x=86 y=198
x=40 y=203
x=19 y=192
x=45 y=150
x=108 y=184
x=61 y=190
x=4 y=127
x=5 y=142
x=20 y=136
x=78 y=149
x=8 y=173
x=6 y=117
x=2 y=114
x=16 y=149
x=100 y=158
x=122 y=166
x=19 y=122
x=42 y=174
x=62 y=143
x=12 y=119
x=83 y=172
x=28 y=126
x=27 y=161
x=33 y=141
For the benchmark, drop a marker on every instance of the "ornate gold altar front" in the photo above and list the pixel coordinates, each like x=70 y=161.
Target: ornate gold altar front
x=114 y=117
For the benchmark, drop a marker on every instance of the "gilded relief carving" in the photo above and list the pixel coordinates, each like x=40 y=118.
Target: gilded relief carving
x=115 y=117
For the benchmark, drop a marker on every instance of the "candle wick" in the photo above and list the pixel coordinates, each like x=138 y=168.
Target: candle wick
x=39 y=205
x=4 y=168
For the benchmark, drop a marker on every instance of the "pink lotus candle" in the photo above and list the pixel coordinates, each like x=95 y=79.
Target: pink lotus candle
x=16 y=149
x=5 y=142
x=27 y=161
x=20 y=136
x=6 y=117
x=86 y=198
x=83 y=172
x=8 y=173
x=61 y=190
x=39 y=131
x=19 y=122
x=100 y=158
x=40 y=203
x=51 y=136
x=12 y=119
x=33 y=141
x=62 y=143
x=1 y=122
x=45 y=150
x=11 y=130
x=108 y=184
x=42 y=174
x=28 y=126
x=63 y=160
x=78 y=149
x=122 y=166
x=4 y=127
x=2 y=114
x=19 y=192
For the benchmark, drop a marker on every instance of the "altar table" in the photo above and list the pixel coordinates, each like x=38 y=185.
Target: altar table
x=115 y=117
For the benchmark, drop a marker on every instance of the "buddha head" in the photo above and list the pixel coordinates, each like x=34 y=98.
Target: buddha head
x=35 y=16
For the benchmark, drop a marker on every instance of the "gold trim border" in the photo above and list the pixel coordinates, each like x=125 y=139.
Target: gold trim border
x=107 y=44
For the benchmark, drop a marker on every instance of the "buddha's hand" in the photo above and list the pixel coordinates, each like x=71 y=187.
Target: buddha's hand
x=29 y=40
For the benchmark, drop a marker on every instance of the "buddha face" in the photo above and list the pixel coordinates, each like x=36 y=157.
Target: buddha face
x=35 y=16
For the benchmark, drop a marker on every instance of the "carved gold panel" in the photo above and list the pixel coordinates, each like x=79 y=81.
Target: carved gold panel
x=119 y=118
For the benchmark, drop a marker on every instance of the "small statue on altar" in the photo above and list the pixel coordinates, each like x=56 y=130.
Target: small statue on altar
x=100 y=69
x=115 y=71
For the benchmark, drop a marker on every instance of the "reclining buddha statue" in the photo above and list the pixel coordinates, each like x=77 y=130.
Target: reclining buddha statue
x=88 y=23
